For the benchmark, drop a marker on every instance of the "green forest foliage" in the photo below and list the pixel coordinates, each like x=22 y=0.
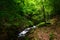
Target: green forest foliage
x=33 y=9
x=27 y=12
x=19 y=14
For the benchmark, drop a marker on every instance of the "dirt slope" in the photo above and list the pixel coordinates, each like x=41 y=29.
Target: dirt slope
x=51 y=32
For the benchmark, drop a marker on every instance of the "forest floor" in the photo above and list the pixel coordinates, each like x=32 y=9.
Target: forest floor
x=51 y=32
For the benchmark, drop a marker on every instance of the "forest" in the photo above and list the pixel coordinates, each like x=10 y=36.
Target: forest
x=33 y=19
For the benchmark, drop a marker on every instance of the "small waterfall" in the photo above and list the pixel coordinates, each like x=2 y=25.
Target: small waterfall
x=23 y=33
